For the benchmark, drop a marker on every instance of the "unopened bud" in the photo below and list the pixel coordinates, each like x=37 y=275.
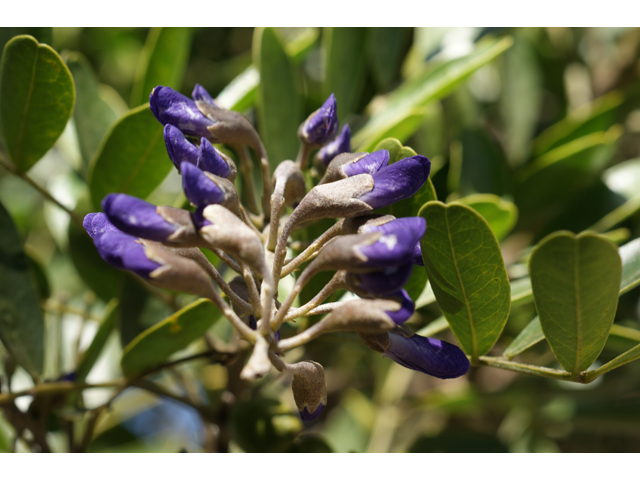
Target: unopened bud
x=322 y=125
x=229 y=127
x=351 y=164
x=309 y=389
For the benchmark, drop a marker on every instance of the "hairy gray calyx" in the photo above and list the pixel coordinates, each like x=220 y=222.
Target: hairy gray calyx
x=335 y=169
x=308 y=385
x=229 y=127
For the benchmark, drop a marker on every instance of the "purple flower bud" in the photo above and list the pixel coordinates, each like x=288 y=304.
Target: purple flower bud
x=397 y=181
x=97 y=223
x=124 y=252
x=198 y=217
x=397 y=244
x=370 y=164
x=341 y=144
x=178 y=147
x=309 y=417
x=407 y=307
x=417 y=255
x=136 y=217
x=322 y=125
x=210 y=160
x=427 y=355
x=201 y=94
x=172 y=107
x=383 y=282
x=199 y=189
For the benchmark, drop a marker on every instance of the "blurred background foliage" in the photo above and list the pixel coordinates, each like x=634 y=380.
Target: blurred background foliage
x=548 y=126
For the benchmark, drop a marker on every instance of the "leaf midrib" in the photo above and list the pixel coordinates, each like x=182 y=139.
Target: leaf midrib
x=23 y=118
x=139 y=165
x=576 y=283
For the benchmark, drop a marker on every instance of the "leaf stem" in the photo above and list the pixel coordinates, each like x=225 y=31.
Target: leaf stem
x=546 y=372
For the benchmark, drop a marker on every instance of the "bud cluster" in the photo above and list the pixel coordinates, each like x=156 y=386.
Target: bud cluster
x=372 y=255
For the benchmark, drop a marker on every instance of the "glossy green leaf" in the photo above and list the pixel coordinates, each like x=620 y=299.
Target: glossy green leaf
x=92 y=353
x=279 y=106
x=521 y=292
x=575 y=280
x=21 y=320
x=42 y=34
x=162 y=62
x=132 y=158
x=501 y=215
x=156 y=344
x=240 y=94
x=93 y=114
x=36 y=99
x=387 y=46
x=528 y=337
x=467 y=274
x=346 y=64
x=424 y=87
x=630 y=255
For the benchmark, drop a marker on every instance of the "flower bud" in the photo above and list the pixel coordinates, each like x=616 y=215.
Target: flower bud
x=397 y=243
x=172 y=107
x=406 y=309
x=97 y=223
x=198 y=187
x=200 y=94
x=229 y=127
x=341 y=144
x=125 y=252
x=136 y=217
x=322 y=125
x=380 y=282
x=288 y=174
x=211 y=160
x=309 y=389
x=178 y=147
x=427 y=355
x=350 y=164
x=354 y=225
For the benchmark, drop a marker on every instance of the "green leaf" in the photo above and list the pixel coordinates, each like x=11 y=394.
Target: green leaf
x=387 y=46
x=467 y=274
x=132 y=158
x=501 y=215
x=21 y=320
x=621 y=179
x=174 y=333
x=93 y=114
x=575 y=280
x=302 y=43
x=279 y=106
x=42 y=34
x=36 y=99
x=521 y=292
x=162 y=62
x=630 y=255
x=92 y=353
x=528 y=337
x=240 y=94
x=346 y=64
x=428 y=85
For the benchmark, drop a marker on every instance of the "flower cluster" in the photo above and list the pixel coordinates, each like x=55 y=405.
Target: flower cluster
x=372 y=255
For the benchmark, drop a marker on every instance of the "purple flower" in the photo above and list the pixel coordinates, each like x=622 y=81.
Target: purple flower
x=322 y=125
x=398 y=181
x=308 y=417
x=397 y=244
x=172 y=107
x=371 y=164
x=417 y=255
x=198 y=217
x=97 y=223
x=198 y=188
x=341 y=144
x=210 y=160
x=124 y=252
x=385 y=281
x=178 y=147
x=136 y=217
x=200 y=94
x=427 y=355
x=407 y=307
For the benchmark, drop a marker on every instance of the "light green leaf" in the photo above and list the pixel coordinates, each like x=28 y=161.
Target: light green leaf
x=162 y=62
x=630 y=255
x=156 y=344
x=428 y=85
x=521 y=292
x=346 y=64
x=467 y=274
x=575 y=280
x=36 y=99
x=622 y=179
x=92 y=353
x=279 y=105
x=528 y=337
x=240 y=94
x=132 y=158
x=21 y=320
x=501 y=215
x=299 y=45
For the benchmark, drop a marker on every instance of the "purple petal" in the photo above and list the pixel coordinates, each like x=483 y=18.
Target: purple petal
x=198 y=218
x=407 y=307
x=97 y=223
x=136 y=217
x=427 y=355
x=199 y=189
x=342 y=144
x=397 y=243
x=210 y=160
x=308 y=417
x=417 y=255
x=322 y=125
x=370 y=164
x=386 y=281
x=125 y=252
x=398 y=181
x=201 y=94
x=178 y=147
x=172 y=107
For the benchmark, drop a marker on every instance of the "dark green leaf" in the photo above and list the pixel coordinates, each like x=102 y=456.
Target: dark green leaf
x=36 y=99
x=467 y=274
x=92 y=353
x=279 y=104
x=42 y=34
x=39 y=276
x=501 y=215
x=21 y=320
x=387 y=46
x=575 y=280
x=174 y=333
x=163 y=61
x=345 y=66
x=132 y=158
